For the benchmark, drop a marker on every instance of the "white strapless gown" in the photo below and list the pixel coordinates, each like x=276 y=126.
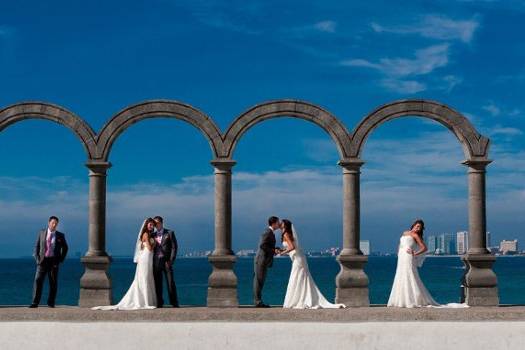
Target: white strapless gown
x=141 y=293
x=302 y=292
x=408 y=289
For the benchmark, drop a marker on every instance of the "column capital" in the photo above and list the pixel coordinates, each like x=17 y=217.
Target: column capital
x=98 y=166
x=223 y=164
x=477 y=164
x=351 y=164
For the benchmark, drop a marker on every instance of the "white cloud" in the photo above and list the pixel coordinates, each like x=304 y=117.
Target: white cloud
x=451 y=81
x=492 y=109
x=424 y=62
x=514 y=112
x=501 y=110
x=240 y=18
x=326 y=26
x=359 y=62
x=435 y=27
x=309 y=30
x=320 y=150
x=403 y=86
x=396 y=70
x=506 y=131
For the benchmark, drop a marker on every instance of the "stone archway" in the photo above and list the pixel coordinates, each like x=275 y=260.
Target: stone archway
x=480 y=281
x=352 y=282
x=287 y=108
x=475 y=146
x=39 y=110
x=57 y=114
x=154 y=109
x=95 y=284
x=222 y=290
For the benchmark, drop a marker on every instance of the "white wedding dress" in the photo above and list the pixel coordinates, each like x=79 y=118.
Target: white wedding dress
x=141 y=294
x=408 y=289
x=302 y=292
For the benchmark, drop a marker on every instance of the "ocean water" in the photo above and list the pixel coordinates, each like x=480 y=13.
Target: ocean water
x=441 y=275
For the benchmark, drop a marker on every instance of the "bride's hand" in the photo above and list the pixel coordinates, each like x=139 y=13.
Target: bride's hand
x=410 y=251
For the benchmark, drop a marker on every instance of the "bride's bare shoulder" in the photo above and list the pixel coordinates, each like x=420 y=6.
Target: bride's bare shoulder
x=406 y=233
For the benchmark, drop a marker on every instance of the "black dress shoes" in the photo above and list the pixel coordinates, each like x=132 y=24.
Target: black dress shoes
x=262 y=305
x=51 y=306
x=33 y=306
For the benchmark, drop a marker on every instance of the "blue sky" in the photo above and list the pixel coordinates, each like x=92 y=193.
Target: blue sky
x=222 y=57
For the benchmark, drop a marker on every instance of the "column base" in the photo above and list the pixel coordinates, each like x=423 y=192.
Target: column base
x=95 y=283
x=222 y=283
x=352 y=281
x=480 y=282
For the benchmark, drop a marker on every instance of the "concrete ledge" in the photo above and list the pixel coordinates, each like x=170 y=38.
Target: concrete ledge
x=262 y=335
x=250 y=314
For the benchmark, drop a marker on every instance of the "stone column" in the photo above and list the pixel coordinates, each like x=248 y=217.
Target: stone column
x=222 y=283
x=95 y=284
x=480 y=281
x=352 y=281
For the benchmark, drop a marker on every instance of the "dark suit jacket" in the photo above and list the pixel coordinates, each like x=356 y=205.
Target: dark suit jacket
x=61 y=247
x=169 y=245
x=266 y=249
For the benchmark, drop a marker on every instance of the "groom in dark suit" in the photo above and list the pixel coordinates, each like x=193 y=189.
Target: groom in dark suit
x=264 y=259
x=50 y=250
x=164 y=255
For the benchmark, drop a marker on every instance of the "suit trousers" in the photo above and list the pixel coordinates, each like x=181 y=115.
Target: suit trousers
x=49 y=267
x=161 y=271
x=260 y=270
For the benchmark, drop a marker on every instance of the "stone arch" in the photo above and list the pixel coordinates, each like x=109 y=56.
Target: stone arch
x=287 y=108
x=151 y=109
x=475 y=146
x=39 y=110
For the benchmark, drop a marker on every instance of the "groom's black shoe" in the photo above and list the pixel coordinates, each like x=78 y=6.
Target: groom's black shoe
x=51 y=306
x=33 y=306
x=262 y=305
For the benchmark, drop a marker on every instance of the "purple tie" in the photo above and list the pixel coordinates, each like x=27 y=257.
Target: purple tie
x=48 y=246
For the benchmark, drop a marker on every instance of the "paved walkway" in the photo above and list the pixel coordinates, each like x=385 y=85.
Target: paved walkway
x=250 y=314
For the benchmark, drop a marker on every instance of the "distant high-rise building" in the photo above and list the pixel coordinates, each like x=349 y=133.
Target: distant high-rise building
x=440 y=244
x=365 y=247
x=462 y=242
x=508 y=247
x=432 y=244
x=488 y=240
x=447 y=243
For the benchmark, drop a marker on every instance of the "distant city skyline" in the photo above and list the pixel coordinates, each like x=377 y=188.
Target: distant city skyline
x=433 y=242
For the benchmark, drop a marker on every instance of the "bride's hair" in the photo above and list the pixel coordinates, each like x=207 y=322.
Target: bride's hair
x=287 y=228
x=422 y=223
x=145 y=228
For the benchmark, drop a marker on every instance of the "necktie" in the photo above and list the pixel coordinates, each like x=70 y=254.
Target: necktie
x=48 y=245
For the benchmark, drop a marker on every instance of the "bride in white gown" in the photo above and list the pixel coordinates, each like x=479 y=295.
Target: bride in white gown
x=408 y=290
x=141 y=293
x=302 y=292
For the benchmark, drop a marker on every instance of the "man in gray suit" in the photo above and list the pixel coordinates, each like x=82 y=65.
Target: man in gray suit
x=264 y=259
x=164 y=255
x=50 y=250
